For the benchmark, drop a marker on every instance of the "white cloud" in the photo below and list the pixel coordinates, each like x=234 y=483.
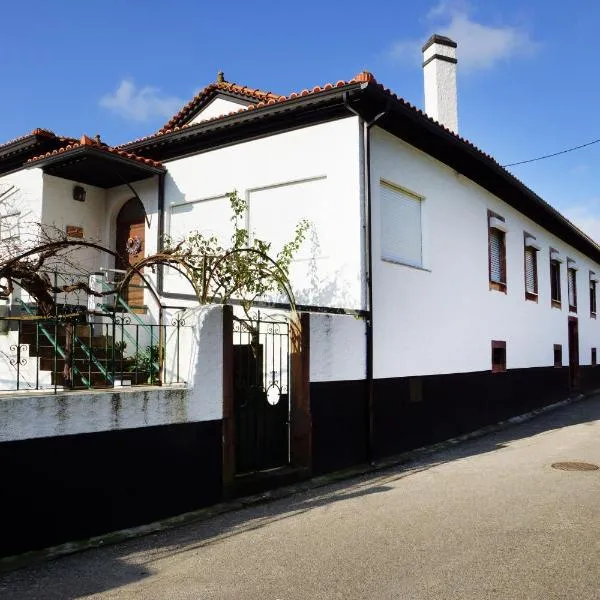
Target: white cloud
x=480 y=46
x=140 y=104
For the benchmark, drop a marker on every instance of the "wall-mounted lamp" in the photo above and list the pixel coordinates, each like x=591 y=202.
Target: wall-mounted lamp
x=79 y=193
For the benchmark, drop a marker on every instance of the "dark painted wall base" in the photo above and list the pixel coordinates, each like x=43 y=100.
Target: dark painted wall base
x=54 y=490
x=589 y=378
x=412 y=412
x=339 y=413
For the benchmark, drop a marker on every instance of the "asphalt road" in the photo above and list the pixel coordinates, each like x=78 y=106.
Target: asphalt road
x=489 y=518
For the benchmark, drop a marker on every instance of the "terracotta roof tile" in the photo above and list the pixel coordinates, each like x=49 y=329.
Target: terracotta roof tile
x=87 y=141
x=262 y=99
x=205 y=94
x=39 y=132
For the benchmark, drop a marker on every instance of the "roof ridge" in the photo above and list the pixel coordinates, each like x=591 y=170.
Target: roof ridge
x=207 y=91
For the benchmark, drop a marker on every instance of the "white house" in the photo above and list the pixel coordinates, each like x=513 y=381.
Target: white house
x=442 y=293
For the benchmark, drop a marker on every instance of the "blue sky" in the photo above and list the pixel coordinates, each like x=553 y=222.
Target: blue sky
x=528 y=82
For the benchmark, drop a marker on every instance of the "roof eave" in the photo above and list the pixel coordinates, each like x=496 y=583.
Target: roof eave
x=82 y=151
x=487 y=163
x=244 y=116
x=21 y=145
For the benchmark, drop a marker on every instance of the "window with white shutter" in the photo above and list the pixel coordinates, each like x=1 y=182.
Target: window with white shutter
x=572 y=287
x=531 y=276
x=401 y=228
x=496 y=253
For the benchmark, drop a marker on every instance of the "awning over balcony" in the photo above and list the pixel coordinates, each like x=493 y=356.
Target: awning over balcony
x=89 y=161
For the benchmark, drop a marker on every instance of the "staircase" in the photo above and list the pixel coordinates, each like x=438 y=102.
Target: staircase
x=92 y=354
x=41 y=347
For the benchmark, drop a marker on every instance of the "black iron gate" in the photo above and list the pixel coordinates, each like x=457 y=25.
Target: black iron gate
x=261 y=393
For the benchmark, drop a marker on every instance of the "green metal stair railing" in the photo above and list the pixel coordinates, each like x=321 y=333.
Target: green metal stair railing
x=124 y=333
x=87 y=351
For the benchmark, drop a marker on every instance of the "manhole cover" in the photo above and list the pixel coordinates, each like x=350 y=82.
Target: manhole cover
x=575 y=466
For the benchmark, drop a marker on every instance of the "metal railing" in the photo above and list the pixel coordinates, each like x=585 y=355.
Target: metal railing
x=90 y=341
x=92 y=352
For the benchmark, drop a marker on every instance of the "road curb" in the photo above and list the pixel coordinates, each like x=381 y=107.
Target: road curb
x=11 y=563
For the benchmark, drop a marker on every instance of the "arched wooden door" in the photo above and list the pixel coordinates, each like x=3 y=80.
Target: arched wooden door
x=131 y=230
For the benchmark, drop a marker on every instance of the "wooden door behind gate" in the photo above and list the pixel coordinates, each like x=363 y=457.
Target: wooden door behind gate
x=131 y=230
x=261 y=394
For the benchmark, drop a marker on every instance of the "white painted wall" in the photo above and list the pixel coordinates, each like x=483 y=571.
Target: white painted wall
x=202 y=360
x=218 y=107
x=26 y=198
x=34 y=416
x=441 y=319
x=337 y=348
x=21 y=196
x=312 y=173
x=60 y=210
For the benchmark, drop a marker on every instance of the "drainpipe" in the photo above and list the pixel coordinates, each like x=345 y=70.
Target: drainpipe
x=159 y=277
x=366 y=186
x=161 y=228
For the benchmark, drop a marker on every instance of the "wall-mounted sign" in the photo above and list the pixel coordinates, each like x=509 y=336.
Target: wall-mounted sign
x=74 y=232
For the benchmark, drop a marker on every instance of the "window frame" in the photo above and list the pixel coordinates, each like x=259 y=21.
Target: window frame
x=499 y=286
x=529 y=245
x=499 y=367
x=555 y=299
x=572 y=270
x=558 y=363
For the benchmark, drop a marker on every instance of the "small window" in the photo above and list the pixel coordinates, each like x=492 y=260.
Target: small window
x=555 y=293
x=9 y=226
x=401 y=234
x=572 y=288
x=498 y=356
x=558 y=355
x=531 y=275
x=496 y=252
x=594 y=359
x=592 y=295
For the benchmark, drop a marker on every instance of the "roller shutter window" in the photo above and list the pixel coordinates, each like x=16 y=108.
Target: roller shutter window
x=555 y=283
x=497 y=258
x=531 y=272
x=572 y=287
x=401 y=230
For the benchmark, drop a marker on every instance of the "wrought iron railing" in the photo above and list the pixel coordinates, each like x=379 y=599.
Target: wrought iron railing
x=95 y=350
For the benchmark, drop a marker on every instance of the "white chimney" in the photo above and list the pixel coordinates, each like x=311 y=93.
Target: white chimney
x=439 y=71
